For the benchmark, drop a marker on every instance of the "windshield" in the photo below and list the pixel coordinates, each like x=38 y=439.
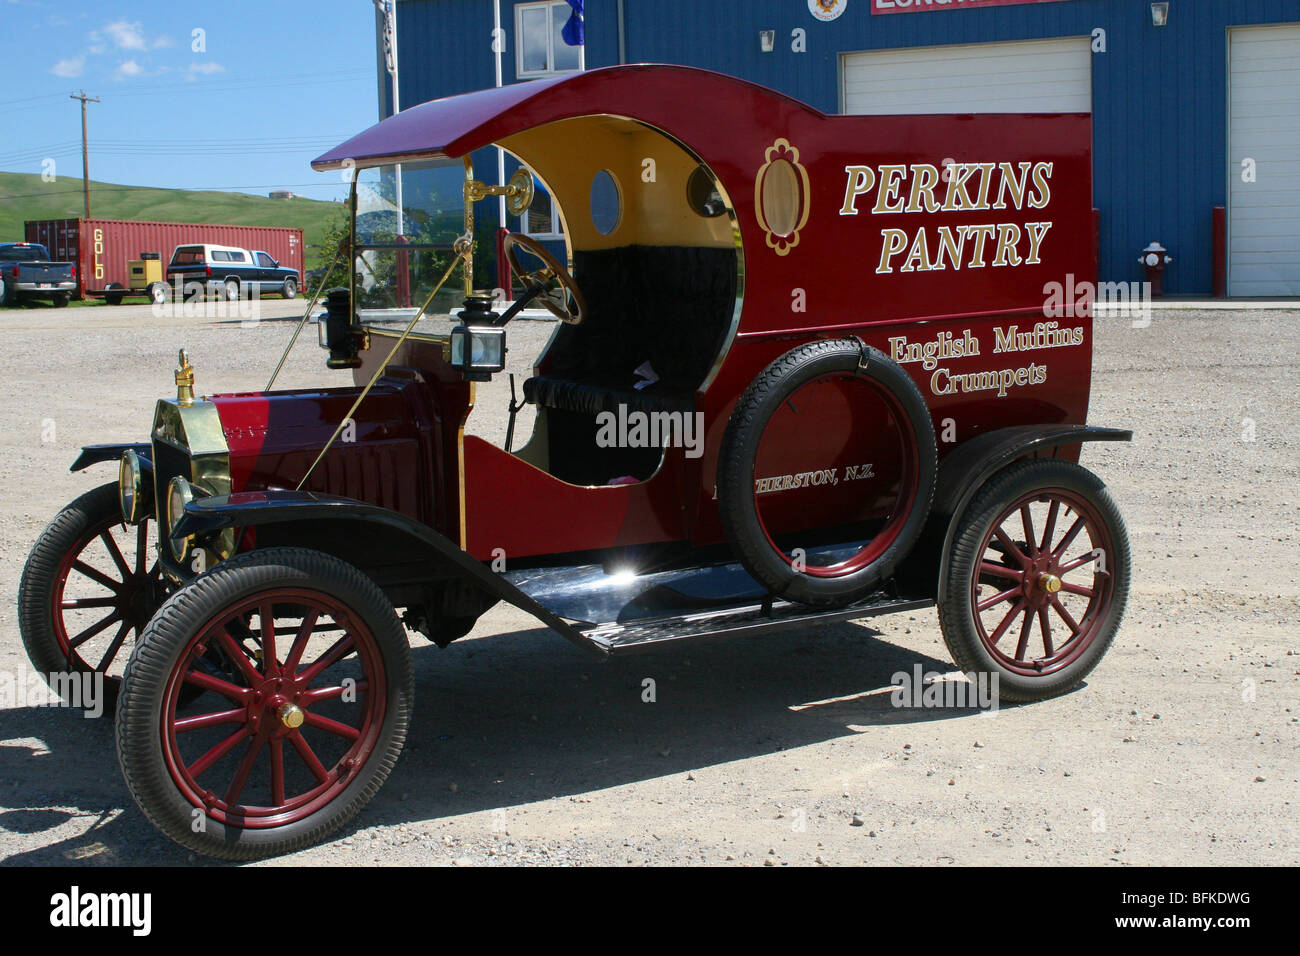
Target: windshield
x=408 y=218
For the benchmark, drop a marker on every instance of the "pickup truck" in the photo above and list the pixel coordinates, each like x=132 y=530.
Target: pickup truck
x=225 y=270
x=27 y=273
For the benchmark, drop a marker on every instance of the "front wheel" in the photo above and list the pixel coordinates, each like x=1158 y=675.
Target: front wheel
x=90 y=585
x=1038 y=579
x=290 y=289
x=306 y=687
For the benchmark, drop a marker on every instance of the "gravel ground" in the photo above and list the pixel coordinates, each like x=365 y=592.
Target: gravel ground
x=1180 y=749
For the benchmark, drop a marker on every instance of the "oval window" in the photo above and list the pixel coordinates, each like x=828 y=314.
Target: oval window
x=606 y=202
x=702 y=194
x=781 y=197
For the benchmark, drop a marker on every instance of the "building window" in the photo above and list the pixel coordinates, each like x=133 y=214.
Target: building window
x=539 y=48
x=540 y=221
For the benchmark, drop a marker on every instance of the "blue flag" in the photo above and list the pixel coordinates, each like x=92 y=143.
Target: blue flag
x=574 y=32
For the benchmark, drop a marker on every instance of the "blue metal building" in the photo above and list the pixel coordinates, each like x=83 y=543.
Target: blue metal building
x=1196 y=103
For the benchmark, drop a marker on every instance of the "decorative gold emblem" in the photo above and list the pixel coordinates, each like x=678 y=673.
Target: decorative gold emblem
x=184 y=381
x=781 y=196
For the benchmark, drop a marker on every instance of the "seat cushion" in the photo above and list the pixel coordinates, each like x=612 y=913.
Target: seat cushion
x=551 y=391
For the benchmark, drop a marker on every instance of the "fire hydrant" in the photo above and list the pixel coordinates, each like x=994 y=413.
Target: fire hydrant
x=1155 y=257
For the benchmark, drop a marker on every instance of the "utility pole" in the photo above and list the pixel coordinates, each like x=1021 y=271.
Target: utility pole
x=85 y=149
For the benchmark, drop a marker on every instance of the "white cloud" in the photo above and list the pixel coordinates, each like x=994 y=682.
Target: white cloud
x=206 y=69
x=73 y=66
x=126 y=35
x=128 y=68
x=98 y=48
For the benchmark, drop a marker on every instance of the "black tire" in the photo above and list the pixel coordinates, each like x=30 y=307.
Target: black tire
x=290 y=289
x=60 y=301
x=1061 y=668
x=114 y=294
x=737 y=503
x=96 y=509
x=172 y=635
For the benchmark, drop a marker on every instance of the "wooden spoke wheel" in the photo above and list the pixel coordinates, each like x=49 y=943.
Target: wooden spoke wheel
x=305 y=685
x=1038 y=579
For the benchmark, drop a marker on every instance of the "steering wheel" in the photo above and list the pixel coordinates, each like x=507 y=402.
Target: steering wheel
x=568 y=305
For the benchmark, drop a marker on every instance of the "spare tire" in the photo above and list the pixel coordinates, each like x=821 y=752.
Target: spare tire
x=826 y=472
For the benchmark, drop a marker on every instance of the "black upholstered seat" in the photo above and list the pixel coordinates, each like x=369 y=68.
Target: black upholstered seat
x=668 y=306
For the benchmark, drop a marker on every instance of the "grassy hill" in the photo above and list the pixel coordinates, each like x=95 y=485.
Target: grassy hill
x=24 y=196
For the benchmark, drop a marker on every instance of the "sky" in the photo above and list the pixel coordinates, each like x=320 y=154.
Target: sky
x=244 y=104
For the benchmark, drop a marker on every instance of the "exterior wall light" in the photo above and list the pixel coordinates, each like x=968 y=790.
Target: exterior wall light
x=767 y=40
x=1160 y=13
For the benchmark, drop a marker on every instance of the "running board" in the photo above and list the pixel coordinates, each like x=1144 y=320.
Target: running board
x=619 y=639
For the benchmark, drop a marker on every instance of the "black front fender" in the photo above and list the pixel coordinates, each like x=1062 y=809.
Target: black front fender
x=967 y=468
x=94 y=454
x=254 y=509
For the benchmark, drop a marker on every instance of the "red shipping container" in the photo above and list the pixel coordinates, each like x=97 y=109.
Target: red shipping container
x=101 y=248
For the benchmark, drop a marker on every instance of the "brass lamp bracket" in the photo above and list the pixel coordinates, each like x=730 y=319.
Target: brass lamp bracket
x=518 y=192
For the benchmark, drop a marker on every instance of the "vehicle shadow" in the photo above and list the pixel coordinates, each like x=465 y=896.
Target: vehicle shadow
x=508 y=719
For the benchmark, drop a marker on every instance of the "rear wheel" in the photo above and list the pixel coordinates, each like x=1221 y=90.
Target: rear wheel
x=159 y=293
x=307 y=687
x=4 y=293
x=60 y=301
x=230 y=291
x=114 y=294
x=1038 y=579
x=90 y=585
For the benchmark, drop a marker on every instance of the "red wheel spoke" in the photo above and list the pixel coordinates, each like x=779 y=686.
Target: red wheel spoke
x=998 y=599
x=141 y=547
x=116 y=646
x=1065 y=615
x=1045 y=627
x=1078 y=563
x=1006 y=621
x=1012 y=549
x=336 y=653
x=1076 y=589
x=1069 y=537
x=241 y=774
x=1022 y=645
x=308 y=757
x=310 y=697
x=116 y=553
x=97 y=576
x=237 y=656
x=1049 y=526
x=277 y=771
x=94 y=629
x=238 y=715
x=196 y=769
x=1001 y=571
x=300 y=642
x=270 y=662
x=80 y=603
x=332 y=726
x=218 y=686
x=1027 y=522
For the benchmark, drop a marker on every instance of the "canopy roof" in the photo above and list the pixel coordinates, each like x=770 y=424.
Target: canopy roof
x=676 y=98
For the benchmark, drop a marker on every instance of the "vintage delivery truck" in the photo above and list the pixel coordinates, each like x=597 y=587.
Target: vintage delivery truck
x=808 y=368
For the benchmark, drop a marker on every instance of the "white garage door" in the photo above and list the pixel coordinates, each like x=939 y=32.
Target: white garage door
x=1031 y=76
x=1264 y=126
